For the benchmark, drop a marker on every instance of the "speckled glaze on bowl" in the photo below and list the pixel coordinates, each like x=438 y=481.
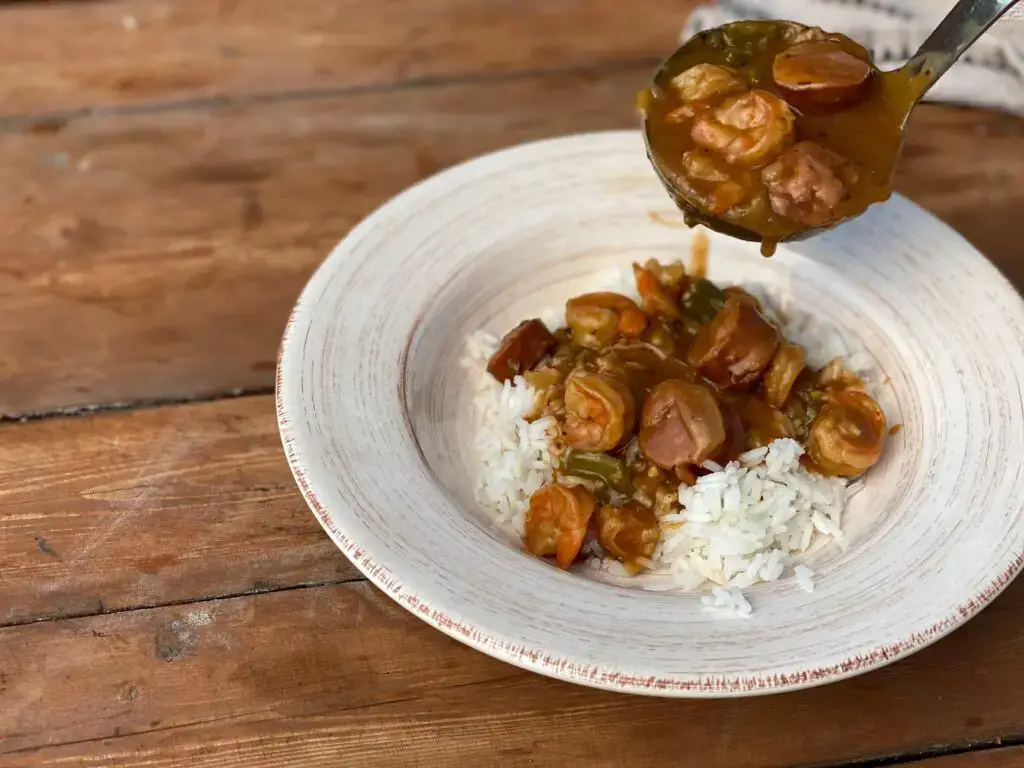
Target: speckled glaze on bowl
x=375 y=419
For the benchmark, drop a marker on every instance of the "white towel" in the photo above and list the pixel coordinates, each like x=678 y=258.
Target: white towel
x=990 y=74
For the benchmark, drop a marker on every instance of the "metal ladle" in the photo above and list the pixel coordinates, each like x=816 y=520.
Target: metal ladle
x=963 y=25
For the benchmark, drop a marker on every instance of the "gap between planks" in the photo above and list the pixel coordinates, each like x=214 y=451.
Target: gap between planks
x=184 y=601
x=939 y=756
x=77 y=411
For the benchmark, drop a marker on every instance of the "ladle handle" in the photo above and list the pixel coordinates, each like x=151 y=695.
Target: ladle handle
x=964 y=24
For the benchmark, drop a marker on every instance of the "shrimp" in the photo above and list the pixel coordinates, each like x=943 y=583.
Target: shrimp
x=704 y=81
x=717 y=187
x=656 y=300
x=847 y=437
x=598 y=319
x=600 y=412
x=749 y=130
x=782 y=374
x=556 y=522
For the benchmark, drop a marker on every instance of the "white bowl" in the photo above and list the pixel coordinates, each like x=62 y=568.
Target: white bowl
x=375 y=417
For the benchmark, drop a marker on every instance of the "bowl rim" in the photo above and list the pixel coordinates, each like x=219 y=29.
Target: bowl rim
x=539 y=660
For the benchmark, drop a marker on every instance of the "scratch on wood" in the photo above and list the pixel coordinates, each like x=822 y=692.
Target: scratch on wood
x=129 y=693
x=45 y=548
x=139 y=502
x=252 y=210
x=179 y=637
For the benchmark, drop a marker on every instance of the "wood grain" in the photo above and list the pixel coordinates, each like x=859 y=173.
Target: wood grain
x=965 y=165
x=168 y=248
x=158 y=255
x=150 y=507
x=60 y=57
x=342 y=674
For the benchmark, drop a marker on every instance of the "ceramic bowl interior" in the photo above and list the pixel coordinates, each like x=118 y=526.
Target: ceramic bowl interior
x=377 y=420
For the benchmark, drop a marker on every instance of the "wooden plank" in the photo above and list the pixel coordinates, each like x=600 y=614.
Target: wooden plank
x=341 y=675
x=158 y=255
x=151 y=507
x=61 y=57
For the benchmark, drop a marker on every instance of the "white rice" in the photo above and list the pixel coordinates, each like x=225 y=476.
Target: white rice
x=513 y=452
x=743 y=524
x=728 y=599
x=804 y=576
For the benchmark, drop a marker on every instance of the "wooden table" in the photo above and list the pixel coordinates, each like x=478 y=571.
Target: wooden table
x=172 y=172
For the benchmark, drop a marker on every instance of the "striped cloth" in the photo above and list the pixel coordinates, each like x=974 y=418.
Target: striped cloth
x=991 y=73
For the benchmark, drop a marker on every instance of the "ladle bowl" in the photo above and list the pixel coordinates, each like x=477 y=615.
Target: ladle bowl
x=964 y=24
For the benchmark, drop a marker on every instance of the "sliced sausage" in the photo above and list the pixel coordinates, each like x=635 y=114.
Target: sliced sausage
x=521 y=349
x=822 y=74
x=735 y=347
x=680 y=424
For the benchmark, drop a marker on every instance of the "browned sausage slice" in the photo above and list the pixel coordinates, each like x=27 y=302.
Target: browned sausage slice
x=521 y=349
x=680 y=424
x=734 y=348
x=821 y=74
